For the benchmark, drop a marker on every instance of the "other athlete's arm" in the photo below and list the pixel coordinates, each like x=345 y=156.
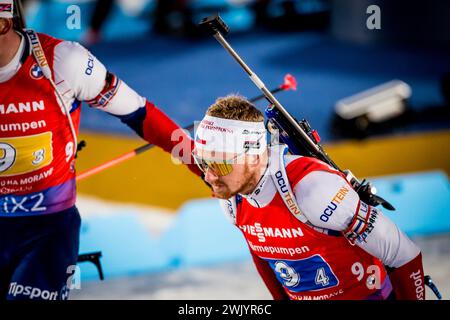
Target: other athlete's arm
x=80 y=75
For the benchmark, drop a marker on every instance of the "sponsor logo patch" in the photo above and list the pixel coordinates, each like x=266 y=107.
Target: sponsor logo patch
x=36 y=72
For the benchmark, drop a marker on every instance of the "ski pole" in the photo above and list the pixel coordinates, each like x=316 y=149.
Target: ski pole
x=290 y=83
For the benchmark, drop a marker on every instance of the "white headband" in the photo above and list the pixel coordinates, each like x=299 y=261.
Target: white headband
x=7 y=9
x=231 y=136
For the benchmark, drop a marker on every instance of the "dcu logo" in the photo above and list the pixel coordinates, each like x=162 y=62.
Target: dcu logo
x=36 y=72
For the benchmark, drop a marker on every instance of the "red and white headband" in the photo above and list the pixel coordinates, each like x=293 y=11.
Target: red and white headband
x=7 y=9
x=231 y=136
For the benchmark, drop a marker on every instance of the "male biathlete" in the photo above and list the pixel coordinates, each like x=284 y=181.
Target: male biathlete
x=310 y=235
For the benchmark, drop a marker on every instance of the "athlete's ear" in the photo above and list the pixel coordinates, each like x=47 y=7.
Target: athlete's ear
x=5 y=25
x=254 y=160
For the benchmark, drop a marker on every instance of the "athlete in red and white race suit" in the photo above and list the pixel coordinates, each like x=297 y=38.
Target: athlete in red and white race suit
x=310 y=235
x=39 y=223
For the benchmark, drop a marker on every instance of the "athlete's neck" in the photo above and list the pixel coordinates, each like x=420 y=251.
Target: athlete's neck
x=259 y=172
x=9 y=44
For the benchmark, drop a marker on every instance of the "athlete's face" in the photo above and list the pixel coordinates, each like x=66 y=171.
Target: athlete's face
x=224 y=187
x=242 y=179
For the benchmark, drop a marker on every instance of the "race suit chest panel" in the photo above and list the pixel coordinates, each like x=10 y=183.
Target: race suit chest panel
x=309 y=264
x=36 y=145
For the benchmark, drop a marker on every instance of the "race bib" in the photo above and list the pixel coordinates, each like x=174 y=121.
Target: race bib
x=25 y=154
x=310 y=274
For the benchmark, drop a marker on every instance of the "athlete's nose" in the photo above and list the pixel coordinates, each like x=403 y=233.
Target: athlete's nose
x=211 y=176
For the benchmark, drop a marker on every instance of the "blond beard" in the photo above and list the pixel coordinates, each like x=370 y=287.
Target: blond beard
x=248 y=184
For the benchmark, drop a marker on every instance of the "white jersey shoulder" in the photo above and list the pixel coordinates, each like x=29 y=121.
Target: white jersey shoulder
x=327 y=200
x=80 y=75
x=83 y=74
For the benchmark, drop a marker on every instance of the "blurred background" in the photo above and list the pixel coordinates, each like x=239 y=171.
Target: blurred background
x=372 y=80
